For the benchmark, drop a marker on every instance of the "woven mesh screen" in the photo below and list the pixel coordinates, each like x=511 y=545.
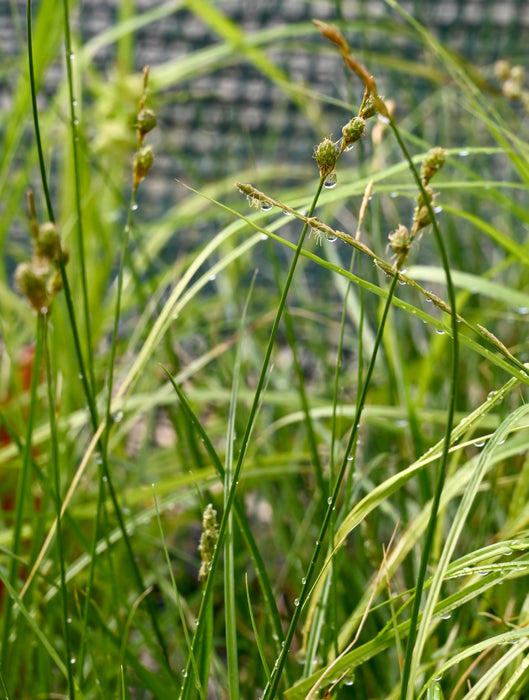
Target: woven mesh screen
x=234 y=116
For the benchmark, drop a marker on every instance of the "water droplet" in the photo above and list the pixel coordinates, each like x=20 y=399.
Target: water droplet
x=383 y=119
x=105 y=479
x=296 y=602
x=331 y=238
x=438 y=678
x=438 y=209
x=523 y=310
x=44 y=310
x=174 y=316
x=350 y=458
x=134 y=207
x=264 y=236
x=393 y=194
x=73 y=660
x=304 y=580
x=76 y=122
x=69 y=620
x=446 y=616
x=118 y=416
x=479 y=443
x=330 y=181
x=491 y=394
x=329 y=500
x=72 y=55
x=74 y=103
x=463 y=153
x=501 y=442
x=439 y=331
x=184 y=672
x=266 y=206
x=287 y=213
x=349 y=147
x=212 y=277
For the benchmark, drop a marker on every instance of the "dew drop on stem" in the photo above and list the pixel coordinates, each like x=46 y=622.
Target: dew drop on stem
x=266 y=206
x=330 y=181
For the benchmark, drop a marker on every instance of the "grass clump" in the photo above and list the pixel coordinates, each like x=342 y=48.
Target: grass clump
x=304 y=480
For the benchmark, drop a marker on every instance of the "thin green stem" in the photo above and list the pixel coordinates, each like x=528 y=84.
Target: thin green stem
x=271 y=687
x=54 y=464
x=89 y=394
x=406 y=692
x=185 y=692
x=74 y=123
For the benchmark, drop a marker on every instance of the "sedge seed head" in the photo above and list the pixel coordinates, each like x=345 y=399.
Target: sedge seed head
x=326 y=156
x=145 y=122
x=353 y=131
x=502 y=69
x=48 y=243
x=32 y=283
x=432 y=163
x=143 y=160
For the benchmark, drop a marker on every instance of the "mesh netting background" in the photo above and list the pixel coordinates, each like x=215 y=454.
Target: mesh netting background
x=235 y=117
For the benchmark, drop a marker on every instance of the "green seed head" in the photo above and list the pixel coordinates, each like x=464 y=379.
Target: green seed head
x=368 y=110
x=326 y=155
x=353 y=131
x=434 y=161
x=208 y=540
x=48 y=244
x=143 y=161
x=32 y=283
x=146 y=121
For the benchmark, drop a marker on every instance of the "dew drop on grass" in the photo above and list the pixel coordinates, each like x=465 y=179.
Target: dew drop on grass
x=439 y=331
x=304 y=579
x=383 y=119
x=212 y=278
x=329 y=500
x=117 y=417
x=287 y=213
x=438 y=209
x=349 y=147
x=296 y=602
x=331 y=238
x=264 y=236
x=134 y=207
x=73 y=660
x=479 y=443
x=330 y=181
x=446 y=616
x=463 y=153
x=523 y=310
x=438 y=678
x=393 y=194
x=266 y=206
